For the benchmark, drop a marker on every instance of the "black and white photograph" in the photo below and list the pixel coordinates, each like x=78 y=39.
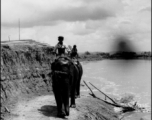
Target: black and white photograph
x=75 y=60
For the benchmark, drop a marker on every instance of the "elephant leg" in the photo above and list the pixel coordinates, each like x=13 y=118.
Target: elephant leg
x=78 y=89
x=79 y=81
x=66 y=105
x=78 y=86
x=73 y=105
x=65 y=97
x=61 y=113
x=77 y=93
x=60 y=107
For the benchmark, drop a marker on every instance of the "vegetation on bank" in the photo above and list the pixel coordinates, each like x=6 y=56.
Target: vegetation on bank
x=114 y=55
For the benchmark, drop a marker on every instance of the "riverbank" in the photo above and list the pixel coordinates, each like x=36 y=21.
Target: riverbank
x=25 y=69
x=26 y=85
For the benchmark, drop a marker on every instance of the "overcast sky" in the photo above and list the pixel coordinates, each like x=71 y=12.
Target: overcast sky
x=93 y=25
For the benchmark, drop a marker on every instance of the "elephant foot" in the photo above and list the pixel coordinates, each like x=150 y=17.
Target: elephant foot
x=67 y=114
x=73 y=106
x=77 y=96
x=61 y=115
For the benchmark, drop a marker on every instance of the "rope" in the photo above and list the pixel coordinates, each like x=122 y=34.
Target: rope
x=61 y=72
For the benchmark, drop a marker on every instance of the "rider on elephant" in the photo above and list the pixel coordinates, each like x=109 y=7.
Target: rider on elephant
x=61 y=49
x=74 y=52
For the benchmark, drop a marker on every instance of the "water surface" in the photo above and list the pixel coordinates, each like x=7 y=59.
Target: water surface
x=120 y=78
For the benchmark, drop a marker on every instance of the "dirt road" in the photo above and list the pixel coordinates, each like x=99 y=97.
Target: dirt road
x=44 y=108
x=39 y=108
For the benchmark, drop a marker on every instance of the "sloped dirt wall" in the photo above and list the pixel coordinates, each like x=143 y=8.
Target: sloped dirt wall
x=25 y=69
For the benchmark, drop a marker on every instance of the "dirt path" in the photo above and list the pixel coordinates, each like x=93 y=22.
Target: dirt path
x=44 y=108
x=39 y=108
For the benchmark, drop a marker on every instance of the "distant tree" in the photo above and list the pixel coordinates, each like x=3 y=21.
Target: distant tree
x=87 y=53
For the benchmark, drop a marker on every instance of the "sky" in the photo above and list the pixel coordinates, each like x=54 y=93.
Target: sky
x=93 y=25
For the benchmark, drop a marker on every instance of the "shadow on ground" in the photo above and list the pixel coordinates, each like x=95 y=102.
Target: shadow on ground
x=48 y=110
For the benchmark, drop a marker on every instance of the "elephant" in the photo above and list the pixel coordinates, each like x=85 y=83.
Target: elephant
x=65 y=84
x=79 y=66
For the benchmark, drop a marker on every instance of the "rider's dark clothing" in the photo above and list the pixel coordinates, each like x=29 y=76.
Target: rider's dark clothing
x=74 y=53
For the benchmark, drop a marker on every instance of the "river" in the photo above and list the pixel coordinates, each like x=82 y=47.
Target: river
x=119 y=78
